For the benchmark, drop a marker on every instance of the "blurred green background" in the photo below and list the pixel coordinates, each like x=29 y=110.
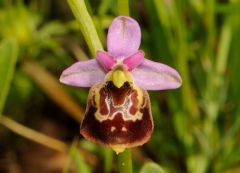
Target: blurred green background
x=197 y=127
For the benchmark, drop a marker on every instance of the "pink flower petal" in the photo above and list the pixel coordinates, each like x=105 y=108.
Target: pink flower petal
x=123 y=37
x=83 y=74
x=134 y=60
x=151 y=75
x=106 y=60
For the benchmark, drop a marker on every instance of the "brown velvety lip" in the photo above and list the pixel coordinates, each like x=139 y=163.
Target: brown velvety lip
x=117 y=131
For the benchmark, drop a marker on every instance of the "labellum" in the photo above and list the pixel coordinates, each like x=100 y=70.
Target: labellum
x=118 y=113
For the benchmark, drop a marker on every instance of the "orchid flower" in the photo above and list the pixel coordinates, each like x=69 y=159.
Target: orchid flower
x=118 y=112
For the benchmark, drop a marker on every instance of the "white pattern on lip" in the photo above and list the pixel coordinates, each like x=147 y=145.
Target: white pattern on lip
x=122 y=109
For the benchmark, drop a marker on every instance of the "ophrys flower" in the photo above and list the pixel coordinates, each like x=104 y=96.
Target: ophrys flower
x=118 y=112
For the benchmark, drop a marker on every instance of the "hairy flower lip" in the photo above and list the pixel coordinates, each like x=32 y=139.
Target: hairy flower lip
x=114 y=130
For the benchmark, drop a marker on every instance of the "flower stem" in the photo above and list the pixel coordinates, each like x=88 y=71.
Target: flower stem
x=123 y=7
x=125 y=161
x=87 y=27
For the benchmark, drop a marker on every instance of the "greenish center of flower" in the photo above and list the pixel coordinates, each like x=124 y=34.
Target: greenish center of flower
x=119 y=77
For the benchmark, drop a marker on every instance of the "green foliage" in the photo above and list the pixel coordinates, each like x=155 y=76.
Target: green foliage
x=78 y=160
x=86 y=25
x=107 y=155
x=8 y=58
x=151 y=168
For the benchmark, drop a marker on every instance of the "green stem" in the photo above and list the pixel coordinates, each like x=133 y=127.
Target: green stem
x=210 y=20
x=87 y=27
x=123 y=7
x=125 y=161
x=224 y=47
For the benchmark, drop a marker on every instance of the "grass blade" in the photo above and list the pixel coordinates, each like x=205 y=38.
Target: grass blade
x=8 y=58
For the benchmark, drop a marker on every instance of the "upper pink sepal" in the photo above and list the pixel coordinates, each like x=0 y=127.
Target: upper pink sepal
x=123 y=37
x=83 y=74
x=134 y=60
x=105 y=60
x=151 y=75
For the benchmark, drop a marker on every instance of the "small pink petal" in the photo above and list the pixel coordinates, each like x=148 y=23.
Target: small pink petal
x=123 y=37
x=134 y=60
x=83 y=74
x=151 y=75
x=105 y=60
